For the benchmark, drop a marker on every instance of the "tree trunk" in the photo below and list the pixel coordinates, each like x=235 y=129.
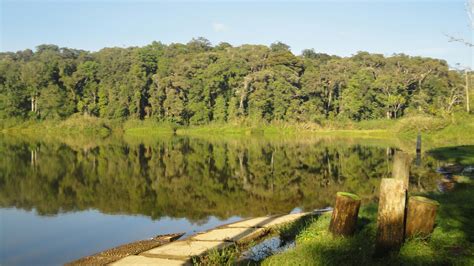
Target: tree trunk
x=391 y=214
x=243 y=172
x=421 y=216
x=36 y=104
x=401 y=168
x=418 y=143
x=329 y=101
x=244 y=93
x=241 y=103
x=344 y=216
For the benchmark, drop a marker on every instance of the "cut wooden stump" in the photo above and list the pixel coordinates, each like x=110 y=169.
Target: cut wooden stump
x=391 y=214
x=344 y=215
x=401 y=167
x=421 y=216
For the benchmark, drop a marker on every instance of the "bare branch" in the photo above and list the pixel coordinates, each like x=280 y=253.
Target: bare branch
x=470 y=15
x=461 y=40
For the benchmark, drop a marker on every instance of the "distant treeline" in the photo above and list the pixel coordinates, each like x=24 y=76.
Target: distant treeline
x=197 y=83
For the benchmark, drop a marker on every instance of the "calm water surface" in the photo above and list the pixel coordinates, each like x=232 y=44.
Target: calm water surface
x=64 y=199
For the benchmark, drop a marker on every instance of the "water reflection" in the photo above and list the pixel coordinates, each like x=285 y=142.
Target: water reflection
x=193 y=178
x=64 y=199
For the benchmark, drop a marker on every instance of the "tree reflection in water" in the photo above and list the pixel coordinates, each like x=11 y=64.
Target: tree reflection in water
x=194 y=178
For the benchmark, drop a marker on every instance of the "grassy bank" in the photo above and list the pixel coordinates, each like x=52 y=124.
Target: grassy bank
x=456 y=129
x=75 y=125
x=452 y=242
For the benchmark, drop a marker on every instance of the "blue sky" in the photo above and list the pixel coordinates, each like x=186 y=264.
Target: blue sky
x=334 y=27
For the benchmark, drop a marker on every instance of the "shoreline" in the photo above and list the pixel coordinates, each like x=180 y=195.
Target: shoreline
x=402 y=132
x=171 y=250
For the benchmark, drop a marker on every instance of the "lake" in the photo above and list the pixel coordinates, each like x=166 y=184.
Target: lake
x=62 y=199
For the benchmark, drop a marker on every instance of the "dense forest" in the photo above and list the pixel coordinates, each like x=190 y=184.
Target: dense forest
x=197 y=83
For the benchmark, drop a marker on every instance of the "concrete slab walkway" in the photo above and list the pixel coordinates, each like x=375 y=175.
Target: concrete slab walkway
x=180 y=252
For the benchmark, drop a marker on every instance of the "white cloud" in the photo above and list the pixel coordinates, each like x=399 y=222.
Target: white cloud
x=219 y=27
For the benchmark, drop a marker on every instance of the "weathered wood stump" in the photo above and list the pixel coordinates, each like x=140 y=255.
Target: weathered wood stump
x=391 y=216
x=421 y=216
x=401 y=167
x=345 y=213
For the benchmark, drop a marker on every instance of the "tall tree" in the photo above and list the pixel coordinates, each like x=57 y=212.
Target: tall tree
x=196 y=83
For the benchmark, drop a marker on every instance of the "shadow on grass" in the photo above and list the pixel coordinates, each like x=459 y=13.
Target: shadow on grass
x=450 y=244
x=463 y=155
x=289 y=231
x=452 y=241
x=316 y=246
x=456 y=211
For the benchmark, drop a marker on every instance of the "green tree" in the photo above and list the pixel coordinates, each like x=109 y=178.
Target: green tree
x=86 y=84
x=196 y=83
x=357 y=101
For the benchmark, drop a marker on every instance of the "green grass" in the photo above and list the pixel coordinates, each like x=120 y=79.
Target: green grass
x=450 y=244
x=141 y=127
x=238 y=129
x=225 y=256
x=316 y=246
x=74 y=125
x=455 y=130
x=436 y=131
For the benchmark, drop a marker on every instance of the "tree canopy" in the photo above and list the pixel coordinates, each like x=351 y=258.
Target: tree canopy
x=197 y=83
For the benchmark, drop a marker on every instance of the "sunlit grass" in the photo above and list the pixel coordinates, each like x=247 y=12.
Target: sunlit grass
x=436 y=131
x=450 y=244
x=76 y=124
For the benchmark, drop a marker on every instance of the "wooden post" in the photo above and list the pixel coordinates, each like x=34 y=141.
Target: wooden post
x=344 y=215
x=421 y=216
x=401 y=167
x=418 y=159
x=418 y=143
x=391 y=214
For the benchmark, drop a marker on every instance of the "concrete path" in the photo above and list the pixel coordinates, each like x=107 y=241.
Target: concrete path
x=114 y=254
x=180 y=252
